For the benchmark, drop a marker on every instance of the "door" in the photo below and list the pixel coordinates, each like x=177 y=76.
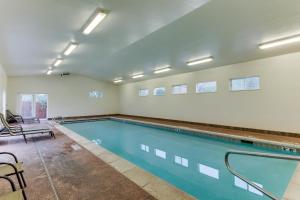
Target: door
x=33 y=105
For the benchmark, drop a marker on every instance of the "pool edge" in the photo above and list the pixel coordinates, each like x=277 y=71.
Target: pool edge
x=152 y=184
x=225 y=136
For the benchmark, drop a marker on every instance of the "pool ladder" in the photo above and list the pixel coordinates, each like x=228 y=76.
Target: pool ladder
x=256 y=154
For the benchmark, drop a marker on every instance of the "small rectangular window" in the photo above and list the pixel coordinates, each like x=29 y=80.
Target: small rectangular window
x=209 y=171
x=145 y=147
x=181 y=161
x=95 y=94
x=179 y=89
x=206 y=87
x=160 y=153
x=143 y=92
x=241 y=84
x=160 y=91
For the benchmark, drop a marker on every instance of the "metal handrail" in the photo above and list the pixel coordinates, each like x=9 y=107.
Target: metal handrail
x=256 y=154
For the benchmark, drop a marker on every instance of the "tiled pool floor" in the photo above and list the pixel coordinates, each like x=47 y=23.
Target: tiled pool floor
x=76 y=174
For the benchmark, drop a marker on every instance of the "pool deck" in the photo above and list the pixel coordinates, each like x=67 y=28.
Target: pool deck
x=57 y=169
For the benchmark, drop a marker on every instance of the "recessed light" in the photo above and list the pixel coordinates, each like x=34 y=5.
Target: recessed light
x=280 y=42
x=200 y=61
x=138 y=76
x=57 y=62
x=162 y=70
x=93 y=21
x=70 y=48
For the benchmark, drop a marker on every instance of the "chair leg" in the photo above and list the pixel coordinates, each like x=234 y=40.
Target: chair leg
x=52 y=134
x=23 y=179
x=25 y=138
x=24 y=195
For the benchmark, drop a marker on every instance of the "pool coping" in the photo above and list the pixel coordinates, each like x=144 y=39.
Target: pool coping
x=225 y=136
x=152 y=184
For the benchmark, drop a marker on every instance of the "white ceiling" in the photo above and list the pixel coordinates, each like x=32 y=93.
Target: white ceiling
x=139 y=35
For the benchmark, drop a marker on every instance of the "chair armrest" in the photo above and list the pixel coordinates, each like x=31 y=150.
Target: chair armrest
x=13 y=187
x=11 y=154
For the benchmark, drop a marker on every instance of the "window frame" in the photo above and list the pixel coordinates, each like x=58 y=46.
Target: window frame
x=165 y=91
x=244 y=77
x=179 y=93
x=144 y=95
x=206 y=92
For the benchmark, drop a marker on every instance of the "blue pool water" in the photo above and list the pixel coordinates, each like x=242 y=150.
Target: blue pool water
x=193 y=164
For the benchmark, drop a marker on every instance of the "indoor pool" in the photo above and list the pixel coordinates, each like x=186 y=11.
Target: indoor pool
x=193 y=164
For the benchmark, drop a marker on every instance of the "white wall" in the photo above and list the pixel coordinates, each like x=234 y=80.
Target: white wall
x=276 y=106
x=3 y=82
x=68 y=96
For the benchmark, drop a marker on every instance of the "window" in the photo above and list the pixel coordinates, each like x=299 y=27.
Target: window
x=95 y=94
x=160 y=154
x=143 y=92
x=179 y=89
x=33 y=105
x=209 y=171
x=160 y=91
x=145 y=147
x=243 y=185
x=206 y=87
x=181 y=161
x=249 y=83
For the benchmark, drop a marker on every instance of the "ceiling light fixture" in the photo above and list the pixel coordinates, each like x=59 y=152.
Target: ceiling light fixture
x=57 y=62
x=118 y=81
x=95 y=19
x=280 y=42
x=138 y=76
x=200 y=61
x=70 y=48
x=162 y=70
x=49 y=72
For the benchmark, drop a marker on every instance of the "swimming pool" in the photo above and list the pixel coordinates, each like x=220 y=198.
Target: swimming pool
x=192 y=163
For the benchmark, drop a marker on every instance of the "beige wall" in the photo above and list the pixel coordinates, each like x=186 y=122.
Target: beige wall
x=276 y=106
x=3 y=81
x=68 y=96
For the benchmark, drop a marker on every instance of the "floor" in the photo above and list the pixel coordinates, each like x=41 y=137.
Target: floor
x=55 y=170
x=258 y=135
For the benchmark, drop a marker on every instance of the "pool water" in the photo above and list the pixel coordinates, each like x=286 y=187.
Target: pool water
x=191 y=163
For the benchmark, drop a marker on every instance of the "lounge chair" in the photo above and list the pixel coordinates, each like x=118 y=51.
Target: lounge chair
x=12 y=118
x=10 y=169
x=14 y=194
x=19 y=130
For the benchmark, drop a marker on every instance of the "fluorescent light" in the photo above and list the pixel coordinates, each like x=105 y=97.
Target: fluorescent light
x=157 y=71
x=137 y=76
x=49 y=72
x=70 y=48
x=280 y=42
x=93 y=21
x=57 y=62
x=199 y=61
x=118 y=81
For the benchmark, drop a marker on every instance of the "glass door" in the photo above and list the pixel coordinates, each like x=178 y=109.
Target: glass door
x=33 y=105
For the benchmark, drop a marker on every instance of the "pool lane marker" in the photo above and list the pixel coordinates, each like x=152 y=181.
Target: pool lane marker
x=46 y=170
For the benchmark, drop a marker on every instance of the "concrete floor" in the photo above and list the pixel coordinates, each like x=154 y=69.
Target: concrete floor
x=54 y=170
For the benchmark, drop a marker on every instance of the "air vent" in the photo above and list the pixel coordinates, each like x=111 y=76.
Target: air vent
x=65 y=74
